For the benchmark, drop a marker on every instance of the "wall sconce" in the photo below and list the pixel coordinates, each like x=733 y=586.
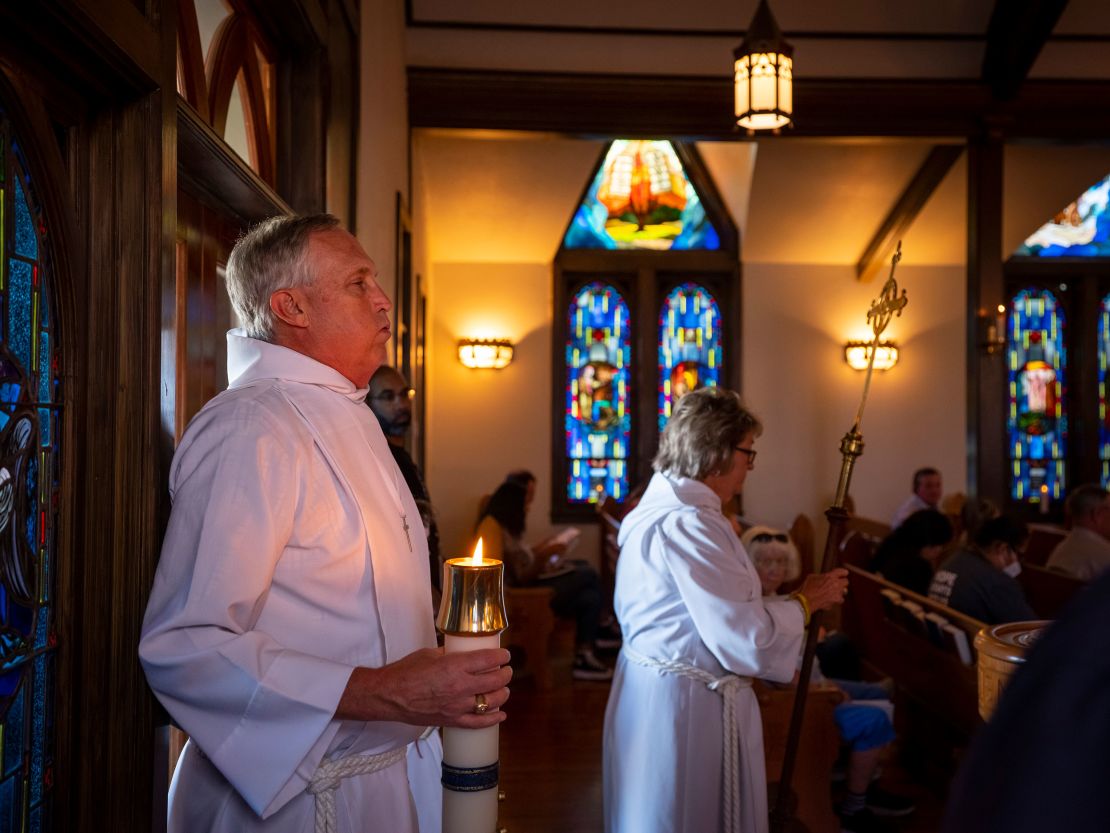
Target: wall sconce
x=857 y=354
x=485 y=353
x=994 y=330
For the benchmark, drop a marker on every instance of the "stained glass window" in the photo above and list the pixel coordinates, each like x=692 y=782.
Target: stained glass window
x=689 y=345
x=641 y=198
x=1080 y=230
x=1037 y=422
x=1103 y=412
x=598 y=417
x=29 y=434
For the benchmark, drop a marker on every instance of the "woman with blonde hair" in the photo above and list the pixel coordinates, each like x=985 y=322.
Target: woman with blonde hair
x=683 y=744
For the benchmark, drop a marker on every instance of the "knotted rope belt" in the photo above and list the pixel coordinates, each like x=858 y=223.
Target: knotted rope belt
x=728 y=686
x=326 y=780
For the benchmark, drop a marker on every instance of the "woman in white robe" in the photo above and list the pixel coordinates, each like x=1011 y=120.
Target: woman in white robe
x=696 y=630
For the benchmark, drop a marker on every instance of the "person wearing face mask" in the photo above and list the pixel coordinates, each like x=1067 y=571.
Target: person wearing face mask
x=981 y=580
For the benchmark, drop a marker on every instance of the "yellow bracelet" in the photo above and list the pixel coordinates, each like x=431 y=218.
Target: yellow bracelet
x=804 y=602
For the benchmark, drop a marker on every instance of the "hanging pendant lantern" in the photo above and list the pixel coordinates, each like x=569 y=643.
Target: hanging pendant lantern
x=764 y=75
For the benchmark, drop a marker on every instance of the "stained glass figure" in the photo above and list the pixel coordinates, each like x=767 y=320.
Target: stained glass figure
x=1103 y=411
x=641 y=198
x=689 y=345
x=598 y=417
x=1080 y=230
x=29 y=419
x=1037 y=422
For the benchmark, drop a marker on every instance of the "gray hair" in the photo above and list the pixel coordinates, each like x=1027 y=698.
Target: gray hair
x=769 y=548
x=269 y=257
x=1085 y=500
x=703 y=430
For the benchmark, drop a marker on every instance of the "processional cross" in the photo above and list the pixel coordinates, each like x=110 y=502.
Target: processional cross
x=887 y=306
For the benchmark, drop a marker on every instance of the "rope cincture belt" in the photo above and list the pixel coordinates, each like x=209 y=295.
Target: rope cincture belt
x=326 y=780
x=728 y=686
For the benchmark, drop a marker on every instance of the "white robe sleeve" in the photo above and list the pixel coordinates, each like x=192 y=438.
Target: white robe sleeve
x=747 y=634
x=253 y=706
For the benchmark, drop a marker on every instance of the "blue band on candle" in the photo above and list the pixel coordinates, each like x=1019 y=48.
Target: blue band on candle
x=470 y=779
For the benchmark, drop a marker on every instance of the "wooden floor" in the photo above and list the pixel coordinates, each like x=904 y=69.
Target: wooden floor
x=551 y=762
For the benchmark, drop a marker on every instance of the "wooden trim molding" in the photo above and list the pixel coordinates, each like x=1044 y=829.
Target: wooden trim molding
x=931 y=173
x=214 y=173
x=700 y=107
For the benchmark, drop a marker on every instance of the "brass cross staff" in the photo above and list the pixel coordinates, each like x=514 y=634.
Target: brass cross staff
x=888 y=305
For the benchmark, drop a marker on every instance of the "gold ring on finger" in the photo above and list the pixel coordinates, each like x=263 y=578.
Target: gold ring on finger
x=480 y=704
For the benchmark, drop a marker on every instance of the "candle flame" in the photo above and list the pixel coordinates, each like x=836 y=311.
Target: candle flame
x=477 y=557
x=1001 y=309
x=1044 y=488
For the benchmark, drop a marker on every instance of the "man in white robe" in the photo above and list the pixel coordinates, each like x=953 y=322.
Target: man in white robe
x=289 y=630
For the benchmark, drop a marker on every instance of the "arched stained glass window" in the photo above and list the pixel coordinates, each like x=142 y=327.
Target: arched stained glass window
x=641 y=198
x=598 y=417
x=1103 y=412
x=1080 y=230
x=29 y=434
x=689 y=345
x=1037 y=422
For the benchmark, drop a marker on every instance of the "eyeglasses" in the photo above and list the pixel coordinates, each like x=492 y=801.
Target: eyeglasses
x=391 y=395
x=768 y=537
x=772 y=561
x=750 y=453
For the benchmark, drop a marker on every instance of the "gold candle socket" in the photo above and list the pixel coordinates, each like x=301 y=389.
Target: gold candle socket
x=473 y=602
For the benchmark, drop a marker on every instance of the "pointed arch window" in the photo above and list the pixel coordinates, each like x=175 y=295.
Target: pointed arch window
x=598 y=419
x=29 y=482
x=1080 y=230
x=650 y=237
x=1037 y=424
x=689 y=345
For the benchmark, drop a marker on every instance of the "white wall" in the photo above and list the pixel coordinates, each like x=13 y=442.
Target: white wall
x=383 y=153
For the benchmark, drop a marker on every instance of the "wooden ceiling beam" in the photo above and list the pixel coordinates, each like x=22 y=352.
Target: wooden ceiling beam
x=931 y=173
x=700 y=107
x=1017 y=32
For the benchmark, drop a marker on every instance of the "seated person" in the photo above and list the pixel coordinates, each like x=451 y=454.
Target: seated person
x=908 y=556
x=1086 y=551
x=863 y=719
x=927 y=492
x=981 y=580
x=973 y=514
x=576 y=584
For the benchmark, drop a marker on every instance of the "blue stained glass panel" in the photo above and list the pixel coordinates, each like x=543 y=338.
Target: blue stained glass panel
x=689 y=345
x=26 y=241
x=1037 y=418
x=1080 y=230
x=38 y=730
x=13 y=733
x=598 y=420
x=1103 y=410
x=641 y=198
x=44 y=367
x=19 y=310
x=29 y=410
x=9 y=805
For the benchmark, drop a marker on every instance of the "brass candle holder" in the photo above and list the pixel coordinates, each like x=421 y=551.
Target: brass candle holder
x=473 y=602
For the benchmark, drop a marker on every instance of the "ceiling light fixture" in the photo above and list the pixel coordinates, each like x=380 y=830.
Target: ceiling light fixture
x=764 y=75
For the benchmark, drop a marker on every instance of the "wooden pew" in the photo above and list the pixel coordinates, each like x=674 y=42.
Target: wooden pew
x=531 y=625
x=820 y=744
x=860 y=540
x=1043 y=539
x=1047 y=591
x=609 y=514
x=923 y=660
